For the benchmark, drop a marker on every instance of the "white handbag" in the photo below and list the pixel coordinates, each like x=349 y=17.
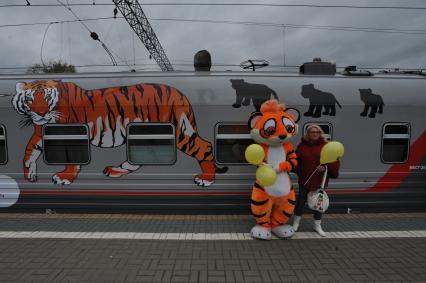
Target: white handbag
x=318 y=200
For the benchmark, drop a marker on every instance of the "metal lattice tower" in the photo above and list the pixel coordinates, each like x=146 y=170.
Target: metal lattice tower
x=134 y=15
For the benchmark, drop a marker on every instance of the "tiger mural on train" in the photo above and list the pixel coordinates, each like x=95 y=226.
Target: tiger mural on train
x=272 y=206
x=107 y=112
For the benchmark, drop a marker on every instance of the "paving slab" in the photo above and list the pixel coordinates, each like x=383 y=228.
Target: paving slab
x=155 y=248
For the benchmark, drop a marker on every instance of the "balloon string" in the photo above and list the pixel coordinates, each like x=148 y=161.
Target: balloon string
x=311 y=176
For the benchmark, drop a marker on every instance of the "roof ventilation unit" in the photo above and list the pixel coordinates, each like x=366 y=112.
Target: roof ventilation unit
x=317 y=67
x=352 y=71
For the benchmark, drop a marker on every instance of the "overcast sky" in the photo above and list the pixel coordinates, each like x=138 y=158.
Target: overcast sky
x=228 y=43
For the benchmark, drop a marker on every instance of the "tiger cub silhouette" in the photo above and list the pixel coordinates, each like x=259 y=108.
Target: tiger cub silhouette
x=319 y=99
x=107 y=112
x=373 y=102
x=257 y=93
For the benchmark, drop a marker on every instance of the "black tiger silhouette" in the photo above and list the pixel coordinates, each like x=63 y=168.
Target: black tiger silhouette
x=245 y=92
x=373 y=102
x=319 y=99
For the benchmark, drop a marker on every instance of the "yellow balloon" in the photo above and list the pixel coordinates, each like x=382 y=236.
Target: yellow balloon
x=331 y=152
x=266 y=175
x=254 y=154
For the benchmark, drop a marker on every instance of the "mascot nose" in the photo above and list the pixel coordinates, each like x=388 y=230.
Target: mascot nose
x=283 y=137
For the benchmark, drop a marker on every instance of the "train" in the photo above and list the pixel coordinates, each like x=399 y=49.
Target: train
x=174 y=142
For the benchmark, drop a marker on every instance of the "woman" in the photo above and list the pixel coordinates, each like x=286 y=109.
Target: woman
x=308 y=153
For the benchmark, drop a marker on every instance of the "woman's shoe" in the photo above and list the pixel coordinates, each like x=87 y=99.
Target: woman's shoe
x=296 y=222
x=317 y=228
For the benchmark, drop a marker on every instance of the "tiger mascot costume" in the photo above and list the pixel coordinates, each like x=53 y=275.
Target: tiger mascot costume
x=107 y=112
x=272 y=206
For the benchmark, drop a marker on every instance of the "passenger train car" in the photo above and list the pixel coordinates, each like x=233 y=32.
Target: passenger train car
x=174 y=142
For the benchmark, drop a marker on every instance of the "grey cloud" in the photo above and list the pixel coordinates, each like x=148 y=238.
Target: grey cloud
x=228 y=44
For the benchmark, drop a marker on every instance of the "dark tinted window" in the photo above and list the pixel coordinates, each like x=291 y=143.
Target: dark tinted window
x=396 y=129
x=395 y=150
x=231 y=143
x=66 y=151
x=146 y=129
x=233 y=129
x=326 y=128
x=231 y=151
x=151 y=144
x=65 y=130
x=3 y=146
x=395 y=142
x=66 y=144
x=3 y=152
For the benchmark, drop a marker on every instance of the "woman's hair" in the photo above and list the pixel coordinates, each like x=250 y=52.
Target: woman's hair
x=311 y=127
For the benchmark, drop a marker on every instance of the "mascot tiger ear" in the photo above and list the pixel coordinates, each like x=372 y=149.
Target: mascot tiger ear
x=254 y=117
x=20 y=86
x=294 y=113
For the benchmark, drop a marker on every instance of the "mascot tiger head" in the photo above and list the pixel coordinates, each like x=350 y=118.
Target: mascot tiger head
x=274 y=124
x=37 y=100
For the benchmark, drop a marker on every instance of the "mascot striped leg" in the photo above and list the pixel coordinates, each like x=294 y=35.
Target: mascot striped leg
x=271 y=213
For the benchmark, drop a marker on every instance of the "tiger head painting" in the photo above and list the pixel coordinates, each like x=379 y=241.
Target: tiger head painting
x=107 y=112
x=37 y=101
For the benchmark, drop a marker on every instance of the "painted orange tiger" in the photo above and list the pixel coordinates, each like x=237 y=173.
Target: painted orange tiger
x=272 y=206
x=107 y=112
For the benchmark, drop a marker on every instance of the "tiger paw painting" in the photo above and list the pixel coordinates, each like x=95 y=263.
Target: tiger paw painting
x=273 y=205
x=107 y=112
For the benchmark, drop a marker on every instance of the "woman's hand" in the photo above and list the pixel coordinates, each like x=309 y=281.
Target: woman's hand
x=321 y=168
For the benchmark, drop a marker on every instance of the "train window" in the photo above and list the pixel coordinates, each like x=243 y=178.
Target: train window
x=325 y=126
x=395 y=142
x=3 y=145
x=66 y=144
x=231 y=141
x=151 y=143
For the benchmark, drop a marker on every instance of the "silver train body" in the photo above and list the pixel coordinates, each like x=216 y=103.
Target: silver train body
x=381 y=121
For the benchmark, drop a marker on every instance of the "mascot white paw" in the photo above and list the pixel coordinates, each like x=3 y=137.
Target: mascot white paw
x=283 y=231
x=260 y=232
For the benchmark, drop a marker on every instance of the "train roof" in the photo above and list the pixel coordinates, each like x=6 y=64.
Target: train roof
x=385 y=74
x=398 y=89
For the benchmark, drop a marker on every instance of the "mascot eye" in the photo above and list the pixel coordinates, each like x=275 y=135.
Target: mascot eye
x=269 y=127
x=289 y=126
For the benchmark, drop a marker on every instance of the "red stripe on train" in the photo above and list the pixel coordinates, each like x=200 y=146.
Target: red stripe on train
x=397 y=172
x=52 y=192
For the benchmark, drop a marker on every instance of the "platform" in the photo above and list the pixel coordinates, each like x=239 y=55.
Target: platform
x=208 y=248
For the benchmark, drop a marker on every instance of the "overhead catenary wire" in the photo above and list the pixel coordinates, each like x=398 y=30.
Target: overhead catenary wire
x=42 y=44
x=272 y=5
x=93 y=34
x=55 y=22
x=249 y=23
